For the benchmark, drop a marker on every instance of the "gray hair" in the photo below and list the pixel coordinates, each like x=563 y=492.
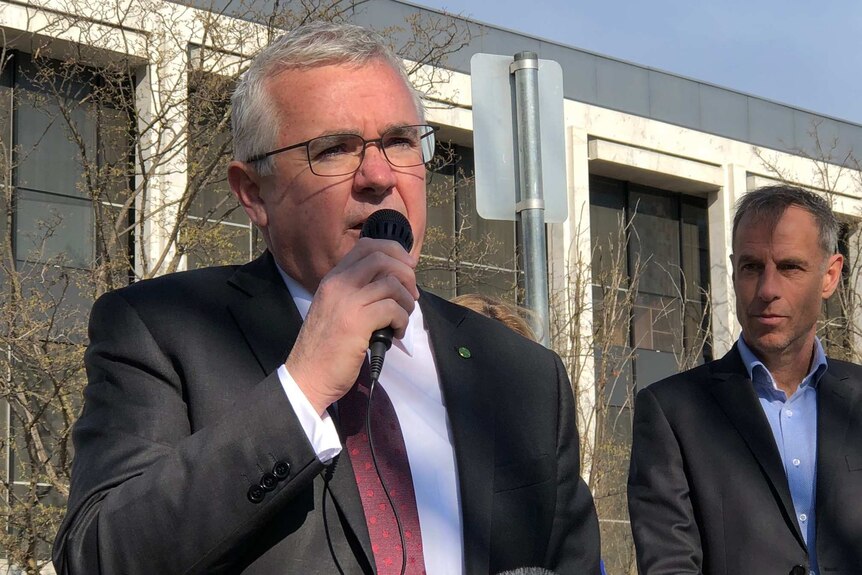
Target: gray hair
x=254 y=116
x=770 y=202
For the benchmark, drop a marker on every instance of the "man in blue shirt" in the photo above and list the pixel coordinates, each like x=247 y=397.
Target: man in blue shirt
x=752 y=464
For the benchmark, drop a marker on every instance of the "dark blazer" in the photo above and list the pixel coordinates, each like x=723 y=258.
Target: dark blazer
x=184 y=413
x=707 y=488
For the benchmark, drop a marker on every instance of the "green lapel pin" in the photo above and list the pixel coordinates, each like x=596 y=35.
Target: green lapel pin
x=464 y=352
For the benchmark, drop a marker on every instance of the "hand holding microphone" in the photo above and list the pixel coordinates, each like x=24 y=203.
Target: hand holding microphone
x=385 y=225
x=372 y=289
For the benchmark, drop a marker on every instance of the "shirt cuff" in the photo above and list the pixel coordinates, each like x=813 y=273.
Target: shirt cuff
x=320 y=431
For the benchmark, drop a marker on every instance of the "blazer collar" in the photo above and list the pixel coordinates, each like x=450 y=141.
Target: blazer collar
x=838 y=396
x=265 y=312
x=470 y=405
x=734 y=393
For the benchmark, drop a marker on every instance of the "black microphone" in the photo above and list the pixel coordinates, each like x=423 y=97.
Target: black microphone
x=385 y=225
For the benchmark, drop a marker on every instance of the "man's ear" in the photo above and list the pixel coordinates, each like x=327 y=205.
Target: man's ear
x=834 y=266
x=245 y=183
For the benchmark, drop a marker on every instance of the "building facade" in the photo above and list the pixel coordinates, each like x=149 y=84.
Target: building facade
x=114 y=130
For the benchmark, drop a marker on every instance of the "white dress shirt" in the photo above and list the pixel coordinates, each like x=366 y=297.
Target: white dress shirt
x=410 y=379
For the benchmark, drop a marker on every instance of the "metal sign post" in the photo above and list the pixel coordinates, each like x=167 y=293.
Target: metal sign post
x=530 y=205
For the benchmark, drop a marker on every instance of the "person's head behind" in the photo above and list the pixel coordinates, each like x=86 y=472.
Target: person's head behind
x=338 y=84
x=510 y=315
x=784 y=266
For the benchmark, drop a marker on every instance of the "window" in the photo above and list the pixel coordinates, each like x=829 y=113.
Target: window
x=651 y=266
x=65 y=149
x=71 y=139
x=464 y=253
x=217 y=231
x=650 y=277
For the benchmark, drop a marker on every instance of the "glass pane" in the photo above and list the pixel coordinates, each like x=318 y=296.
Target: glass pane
x=502 y=284
x=5 y=155
x=482 y=242
x=114 y=151
x=4 y=434
x=695 y=246
x=44 y=139
x=30 y=510
x=613 y=372
x=652 y=366
x=216 y=244
x=657 y=323
x=610 y=464
x=436 y=270
x=114 y=236
x=697 y=335
x=213 y=197
x=607 y=232
x=655 y=240
x=440 y=194
x=611 y=316
x=66 y=298
x=438 y=282
x=54 y=228
x=210 y=149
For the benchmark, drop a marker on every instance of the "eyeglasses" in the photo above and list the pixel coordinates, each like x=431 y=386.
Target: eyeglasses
x=342 y=154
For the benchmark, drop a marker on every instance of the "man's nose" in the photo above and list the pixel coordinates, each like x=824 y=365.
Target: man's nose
x=375 y=173
x=768 y=285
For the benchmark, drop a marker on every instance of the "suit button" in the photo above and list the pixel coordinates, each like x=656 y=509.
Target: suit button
x=256 y=493
x=268 y=481
x=798 y=570
x=281 y=470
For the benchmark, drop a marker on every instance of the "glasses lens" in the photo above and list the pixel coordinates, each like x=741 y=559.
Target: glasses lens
x=335 y=155
x=408 y=146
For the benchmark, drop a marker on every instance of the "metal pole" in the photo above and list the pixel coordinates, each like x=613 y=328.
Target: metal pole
x=530 y=206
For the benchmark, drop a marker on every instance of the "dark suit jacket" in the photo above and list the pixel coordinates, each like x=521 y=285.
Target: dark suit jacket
x=707 y=488
x=184 y=412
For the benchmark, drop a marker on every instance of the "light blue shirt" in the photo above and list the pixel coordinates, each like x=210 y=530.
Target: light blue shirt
x=794 y=425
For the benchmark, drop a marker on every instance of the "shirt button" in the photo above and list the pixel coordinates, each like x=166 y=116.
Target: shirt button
x=796 y=462
x=803 y=517
x=789 y=413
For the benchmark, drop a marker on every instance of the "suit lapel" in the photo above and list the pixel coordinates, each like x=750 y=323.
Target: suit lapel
x=470 y=406
x=837 y=397
x=270 y=322
x=734 y=392
x=265 y=313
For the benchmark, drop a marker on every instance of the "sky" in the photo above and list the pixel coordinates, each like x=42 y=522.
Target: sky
x=806 y=54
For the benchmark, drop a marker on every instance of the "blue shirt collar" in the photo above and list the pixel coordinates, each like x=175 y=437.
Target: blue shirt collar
x=759 y=374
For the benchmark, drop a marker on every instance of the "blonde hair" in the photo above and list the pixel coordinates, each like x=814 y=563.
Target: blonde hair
x=510 y=315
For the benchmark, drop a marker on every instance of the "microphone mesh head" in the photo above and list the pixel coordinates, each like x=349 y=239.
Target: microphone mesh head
x=388 y=225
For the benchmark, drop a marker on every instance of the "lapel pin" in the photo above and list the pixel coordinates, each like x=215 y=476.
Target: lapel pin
x=464 y=352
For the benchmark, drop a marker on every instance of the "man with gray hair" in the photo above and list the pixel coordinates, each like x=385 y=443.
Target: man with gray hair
x=753 y=463
x=231 y=422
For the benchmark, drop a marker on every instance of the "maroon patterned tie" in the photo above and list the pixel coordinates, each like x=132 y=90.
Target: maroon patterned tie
x=395 y=469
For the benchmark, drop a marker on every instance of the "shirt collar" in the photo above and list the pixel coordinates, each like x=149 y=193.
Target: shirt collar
x=302 y=298
x=759 y=374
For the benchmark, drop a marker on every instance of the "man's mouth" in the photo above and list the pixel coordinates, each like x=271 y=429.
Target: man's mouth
x=768 y=319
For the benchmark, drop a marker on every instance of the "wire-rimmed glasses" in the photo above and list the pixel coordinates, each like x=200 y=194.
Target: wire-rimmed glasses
x=342 y=154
